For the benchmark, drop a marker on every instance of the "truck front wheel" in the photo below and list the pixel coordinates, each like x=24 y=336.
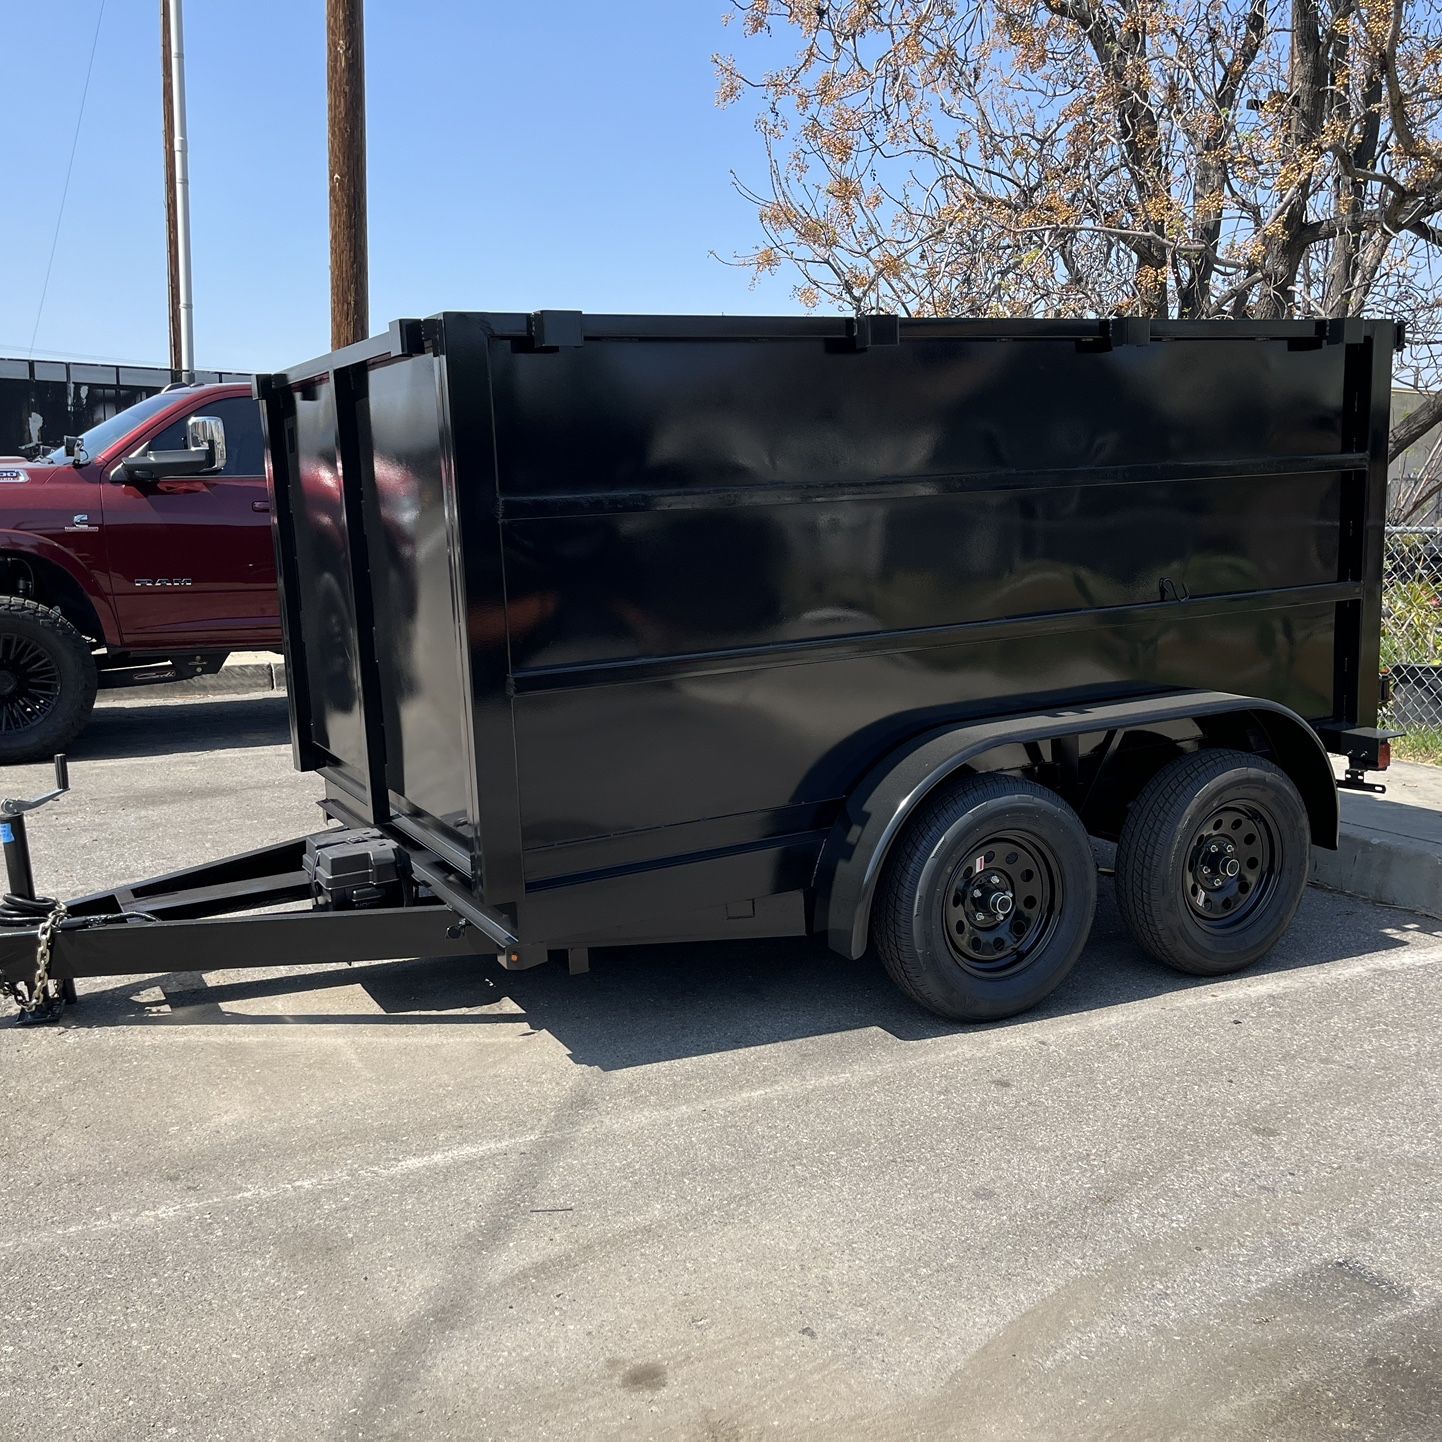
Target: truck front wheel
x=47 y=681
x=986 y=900
x=1212 y=861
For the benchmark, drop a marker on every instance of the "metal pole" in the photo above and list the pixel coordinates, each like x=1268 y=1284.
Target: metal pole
x=182 y=191
x=172 y=258
x=346 y=117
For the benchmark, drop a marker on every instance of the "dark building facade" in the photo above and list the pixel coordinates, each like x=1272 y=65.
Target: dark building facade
x=43 y=401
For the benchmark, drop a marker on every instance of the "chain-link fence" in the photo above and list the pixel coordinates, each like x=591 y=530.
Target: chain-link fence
x=1412 y=637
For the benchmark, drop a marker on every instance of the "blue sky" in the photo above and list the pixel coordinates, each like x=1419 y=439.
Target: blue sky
x=524 y=154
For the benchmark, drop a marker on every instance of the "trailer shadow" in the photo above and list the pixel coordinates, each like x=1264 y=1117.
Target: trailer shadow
x=669 y=1003
x=120 y=732
x=646 y=1005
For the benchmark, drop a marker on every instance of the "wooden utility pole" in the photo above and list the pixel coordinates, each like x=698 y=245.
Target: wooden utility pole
x=346 y=111
x=172 y=247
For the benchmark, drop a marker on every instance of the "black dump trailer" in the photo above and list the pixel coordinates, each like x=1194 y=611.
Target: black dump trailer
x=606 y=630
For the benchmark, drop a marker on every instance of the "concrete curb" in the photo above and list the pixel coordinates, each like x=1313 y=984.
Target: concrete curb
x=1377 y=866
x=1390 y=849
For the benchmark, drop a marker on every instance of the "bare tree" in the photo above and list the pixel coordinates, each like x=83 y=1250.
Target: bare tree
x=1188 y=158
x=1413 y=498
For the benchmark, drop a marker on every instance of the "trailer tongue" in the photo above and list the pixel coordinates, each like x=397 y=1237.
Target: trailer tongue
x=612 y=630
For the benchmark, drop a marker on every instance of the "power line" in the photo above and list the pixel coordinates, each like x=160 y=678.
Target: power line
x=70 y=165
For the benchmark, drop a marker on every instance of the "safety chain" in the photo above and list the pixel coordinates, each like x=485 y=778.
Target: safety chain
x=38 y=993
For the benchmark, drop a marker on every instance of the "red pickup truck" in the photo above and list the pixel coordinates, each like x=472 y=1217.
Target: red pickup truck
x=139 y=551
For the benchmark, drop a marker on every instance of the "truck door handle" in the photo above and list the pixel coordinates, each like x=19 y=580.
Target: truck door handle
x=260 y=505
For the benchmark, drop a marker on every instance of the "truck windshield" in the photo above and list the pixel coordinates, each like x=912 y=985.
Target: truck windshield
x=120 y=425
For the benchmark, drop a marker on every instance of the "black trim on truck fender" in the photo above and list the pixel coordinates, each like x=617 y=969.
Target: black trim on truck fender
x=877 y=808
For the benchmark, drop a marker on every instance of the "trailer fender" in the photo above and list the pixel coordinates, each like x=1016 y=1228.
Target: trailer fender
x=876 y=810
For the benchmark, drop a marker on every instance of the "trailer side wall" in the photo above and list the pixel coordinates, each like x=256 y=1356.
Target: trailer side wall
x=746 y=567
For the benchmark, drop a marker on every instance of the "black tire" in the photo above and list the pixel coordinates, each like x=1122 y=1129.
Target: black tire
x=1192 y=820
x=984 y=829
x=47 y=681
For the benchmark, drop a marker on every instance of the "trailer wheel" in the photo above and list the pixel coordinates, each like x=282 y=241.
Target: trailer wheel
x=1212 y=861
x=986 y=900
x=47 y=681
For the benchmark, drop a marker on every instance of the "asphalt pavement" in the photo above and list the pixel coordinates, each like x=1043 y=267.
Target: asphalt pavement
x=710 y=1192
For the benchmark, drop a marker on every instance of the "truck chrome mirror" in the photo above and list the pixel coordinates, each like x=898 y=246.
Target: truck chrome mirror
x=207 y=431
x=164 y=465
x=204 y=453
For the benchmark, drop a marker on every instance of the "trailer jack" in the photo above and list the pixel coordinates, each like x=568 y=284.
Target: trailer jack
x=40 y=998
x=370 y=900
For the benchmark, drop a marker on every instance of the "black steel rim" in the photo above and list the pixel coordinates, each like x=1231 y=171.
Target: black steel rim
x=1233 y=861
x=1002 y=903
x=29 y=683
